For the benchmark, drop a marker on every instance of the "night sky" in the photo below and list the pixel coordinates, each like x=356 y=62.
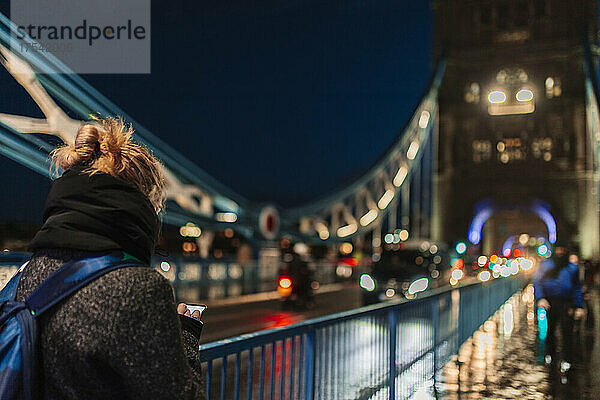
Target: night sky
x=279 y=100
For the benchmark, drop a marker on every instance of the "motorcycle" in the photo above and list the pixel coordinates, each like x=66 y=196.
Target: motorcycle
x=295 y=294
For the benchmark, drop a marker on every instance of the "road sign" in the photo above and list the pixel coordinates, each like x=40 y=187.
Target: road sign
x=268 y=222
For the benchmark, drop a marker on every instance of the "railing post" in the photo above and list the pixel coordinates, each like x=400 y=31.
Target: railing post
x=435 y=323
x=309 y=365
x=393 y=327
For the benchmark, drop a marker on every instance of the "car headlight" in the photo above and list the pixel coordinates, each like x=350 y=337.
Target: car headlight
x=367 y=283
x=484 y=276
x=457 y=274
x=418 y=286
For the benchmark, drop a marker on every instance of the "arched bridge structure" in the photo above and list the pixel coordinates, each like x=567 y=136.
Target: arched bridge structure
x=415 y=189
x=67 y=101
x=395 y=192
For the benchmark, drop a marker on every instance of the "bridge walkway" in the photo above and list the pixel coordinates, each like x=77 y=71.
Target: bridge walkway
x=505 y=359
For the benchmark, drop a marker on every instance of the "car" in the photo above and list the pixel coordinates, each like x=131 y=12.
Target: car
x=402 y=272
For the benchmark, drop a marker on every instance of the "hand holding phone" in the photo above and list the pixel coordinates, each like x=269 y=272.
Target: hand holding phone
x=192 y=314
x=192 y=308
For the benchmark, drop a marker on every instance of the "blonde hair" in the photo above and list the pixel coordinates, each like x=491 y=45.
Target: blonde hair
x=105 y=145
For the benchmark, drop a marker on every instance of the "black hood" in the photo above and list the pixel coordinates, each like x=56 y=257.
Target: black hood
x=97 y=213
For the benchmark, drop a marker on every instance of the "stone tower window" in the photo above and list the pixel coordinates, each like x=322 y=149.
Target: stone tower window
x=502 y=14
x=486 y=15
x=522 y=14
x=540 y=8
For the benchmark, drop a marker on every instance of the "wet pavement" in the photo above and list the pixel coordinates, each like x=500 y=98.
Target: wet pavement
x=223 y=319
x=506 y=359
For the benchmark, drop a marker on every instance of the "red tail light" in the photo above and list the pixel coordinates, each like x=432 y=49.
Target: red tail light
x=285 y=282
x=284 y=286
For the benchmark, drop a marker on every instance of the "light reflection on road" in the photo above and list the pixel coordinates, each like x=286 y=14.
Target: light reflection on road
x=352 y=357
x=501 y=361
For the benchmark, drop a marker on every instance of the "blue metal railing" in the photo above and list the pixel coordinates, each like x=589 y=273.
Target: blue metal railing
x=385 y=351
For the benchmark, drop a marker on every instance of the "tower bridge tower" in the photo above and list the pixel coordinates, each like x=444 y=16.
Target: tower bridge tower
x=514 y=136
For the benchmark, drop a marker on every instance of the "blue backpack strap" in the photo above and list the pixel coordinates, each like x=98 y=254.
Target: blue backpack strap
x=74 y=275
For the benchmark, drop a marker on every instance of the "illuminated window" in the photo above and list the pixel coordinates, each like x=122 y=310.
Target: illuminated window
x=524 y=95
x=553 y=88
x=497 y=96
x=510 y=149
x=522 y=75
x=542 y=148
x=511 y=76
x=472 y=92
x=482 y=150
x=501 y=76
x=511 y=93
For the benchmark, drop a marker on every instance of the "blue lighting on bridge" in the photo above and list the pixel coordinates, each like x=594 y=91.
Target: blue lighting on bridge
x=507 y=246
x=477 y=224
x=486 y=210
x=545 y=215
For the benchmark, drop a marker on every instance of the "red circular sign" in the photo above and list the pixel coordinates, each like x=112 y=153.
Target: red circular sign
x=268 y=222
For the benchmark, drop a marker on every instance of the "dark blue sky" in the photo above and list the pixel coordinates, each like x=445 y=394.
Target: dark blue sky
x=279 y=100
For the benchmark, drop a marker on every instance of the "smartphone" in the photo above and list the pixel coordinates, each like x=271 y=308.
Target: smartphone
x=196 y=307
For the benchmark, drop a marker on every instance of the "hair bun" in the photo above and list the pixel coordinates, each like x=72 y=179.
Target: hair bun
x=87 y=143
x=109 y=145
x=83 y=151
x=105 y=145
